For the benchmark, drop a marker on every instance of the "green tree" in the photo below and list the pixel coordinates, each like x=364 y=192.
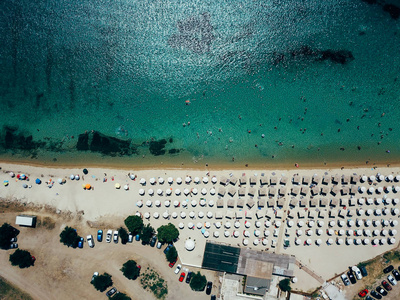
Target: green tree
x=121 y=296
x=198 y=282
x=130 y=269
x=102 y=282
x=69 y=237
x=147 y=234
x=7 y=232
x=284 y=285
x=167 y=233
x=172 y=254
x=123 y=234
x=21 y=258
x=134 y=224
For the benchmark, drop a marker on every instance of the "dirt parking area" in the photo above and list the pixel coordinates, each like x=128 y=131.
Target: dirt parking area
x=65 y=273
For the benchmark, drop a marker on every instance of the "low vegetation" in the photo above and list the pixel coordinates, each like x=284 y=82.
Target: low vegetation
x=198 y=282
x=130 y=269
x=123 y=234
x=172 y=254
x=147 y=234
x=284 y=285
x=121 y=296
x=102 y=282
x=167 y=233
x=152 y=281
x=11 y=292
x=21 y=258
x=69 y=237
x=134 y=224
x=7 y=232
x=392 y=256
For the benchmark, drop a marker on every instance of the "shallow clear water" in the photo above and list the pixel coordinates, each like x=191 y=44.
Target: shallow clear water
x=127 y=68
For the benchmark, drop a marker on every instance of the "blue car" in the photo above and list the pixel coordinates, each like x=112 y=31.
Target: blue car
x=137 y=237
x=167 y=249
x=80 y=243
x=99 y=235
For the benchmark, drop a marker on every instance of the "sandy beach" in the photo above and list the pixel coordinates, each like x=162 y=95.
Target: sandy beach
x=280 y=205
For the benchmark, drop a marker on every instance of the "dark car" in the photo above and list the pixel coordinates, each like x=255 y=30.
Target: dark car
x=363 y=293
x=153 y=241
x=388 y=269
x=213 y=297
x=386 y=285
x=188 y=277
x=111 y=292
x=167 y=248
x=396 y=274
x=100 y=235
x=80 y=243
x=351 y=277
x=368 y=298
x=363 y=271
x=209 y=288
x=376 y=295
x=381 y=291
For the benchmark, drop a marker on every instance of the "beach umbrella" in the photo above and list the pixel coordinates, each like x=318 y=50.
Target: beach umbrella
x=350 y=232
x=330 y=231
x=321 y=223
x=194 y=203
x=196 y=180
x=216 y=234
x=165 y=215
x=214 y=179
x=360 y=212
x=38 y=181
x=179 y=180
x=391 y=241
x=156 y=215
x=397 y=177
x=331 y=223
x=359 y=232
x=183 y=214
x=246 y=233
x=168 y=192
x=247 y=224
x=87 y=186
x=170 y=180
x=205 y=179
x=370 y=201
x=85 y=171
x=201 y=214
x=378 y=201
x=190 y=225
x=349 y=241
x=237 y=224
x=245 y=242
x=184 y=203
x=375 y=241
x=5 y=182
x=212 y=191
x=341 y=232
x=206 y=234
x=160 y=180
x=159 y=192
x=310 y=224
x=380 y=190
x=266 y=233
x=297 y=241
x=138 y=214
x=361 y=201
x=207 y=224
x=369 y=212
x=372 y=178
x=132 y=176
x=142 y=181
x=394 y=223
x=228 y=225
x=257 y=233
x=378 y=212
x=167 y=203
x=117 y=186
x=194 y=191
x=368 y=223
x=290 y=223
x=157 y=203
x=126 y=187
x=389 y=178
x=209 y=214
x=177 y=192
x=148 y=203
x=300 y=223
x=319 y=231
x=24 y=185
x=395 y=211
x=350 y=223
x=383 y=241
x=188 y=179
x=204 y=191
x=341 y=223
x=397 y=189
x=393 y=232
x=151 y=192
x=12 y=175
x=211 y=203
x=309 y=232
x=192 y=214
x=387 y=200
x=267 y=224
x=236 y=233
x=139 y=203
x=152 y=180
x=181 y=225
x=318 y=242
x=77 y=177
x=364 y=178
x=199 y=225
x=256 y=242
x=376 y=232
x=359 y=223
x=309 y=241
x=227 y=233
x=176 y=203
x=299 y=232
x=147 y=215
x=384 y=232
x=186 y=191
x=329 y=241
x=218 y=224
x=357 y=241
x=202 y=202
x=258 y=224
x=381 y=177
x=366 y=241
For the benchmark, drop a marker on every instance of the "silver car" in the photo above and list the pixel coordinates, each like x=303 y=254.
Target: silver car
x=90 y=241
x=392 y=280
x=357 y=272
x=115 y=236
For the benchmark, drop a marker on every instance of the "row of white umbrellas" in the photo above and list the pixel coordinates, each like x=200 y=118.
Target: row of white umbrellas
x=177 y=192
x=178 y=180
x=347 y=241
x=379 y=190
x=342 y=223
x=378 y=201
x=176 y=203
x=380 y=177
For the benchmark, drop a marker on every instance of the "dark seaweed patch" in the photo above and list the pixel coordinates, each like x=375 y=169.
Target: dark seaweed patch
x=173 y=151
x=157 y=147
x=393 y=10
x=340 y=57
x=12 y=139
x=110 y=145
x=83 y=142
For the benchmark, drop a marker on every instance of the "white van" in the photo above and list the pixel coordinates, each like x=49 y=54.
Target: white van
x=90 y=241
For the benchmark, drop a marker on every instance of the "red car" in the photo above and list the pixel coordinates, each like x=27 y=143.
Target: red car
x=363 y=293
x=386 y=285
x=172 y=263
x=182 y=276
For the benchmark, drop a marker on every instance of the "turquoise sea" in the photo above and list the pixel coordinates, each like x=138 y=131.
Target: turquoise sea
x=140 y=82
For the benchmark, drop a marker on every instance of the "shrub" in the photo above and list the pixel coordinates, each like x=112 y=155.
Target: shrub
x=102 y=282
x=171 y=255
x=130 y=270
x=134 y=224
x=147 y=234
x=21 y=258
x=198 y=282
x=7 y=232
x=284 y=285
x=121 y=296
x=167 y=233
x=123 y=234
x=69 y=237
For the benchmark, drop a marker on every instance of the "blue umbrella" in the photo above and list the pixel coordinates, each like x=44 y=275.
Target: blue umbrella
x=38 y=181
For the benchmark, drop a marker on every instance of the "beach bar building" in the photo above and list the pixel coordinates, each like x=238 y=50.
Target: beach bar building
x=27 y=221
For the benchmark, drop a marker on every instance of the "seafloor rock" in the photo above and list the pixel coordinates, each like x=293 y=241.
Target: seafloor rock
x=340 y=56
x=158 y=147
x=393 y=10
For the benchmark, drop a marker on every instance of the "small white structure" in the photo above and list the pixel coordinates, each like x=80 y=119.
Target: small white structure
x=24 y=220
x=189 y=245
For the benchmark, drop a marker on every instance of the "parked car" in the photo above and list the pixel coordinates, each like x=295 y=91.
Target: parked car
x=388 y=269
x=213 y=297
x=188 y=277
x=13 y=240
x=99 y=235
x=392 y=280
x=95 y=274
x=115 y=236
x=159 y=245
x=376 y=295
x=345 y=279
x=111 y=292
x=130 y=237
x=167 y=248
x=90 y=241
x=363 y=293
x=209 y=287
x=109 y=236
x=369 y=298
x=80 y=243
x=351 y=277
x=171 y=264
x=137 y=237
x=381 y=291
x=178 y=268
x=14 y=246
x=182 y=276
x=153 y=241
x=363 y=270
x=357 y=272
x=396 y=274
x=386 y=285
